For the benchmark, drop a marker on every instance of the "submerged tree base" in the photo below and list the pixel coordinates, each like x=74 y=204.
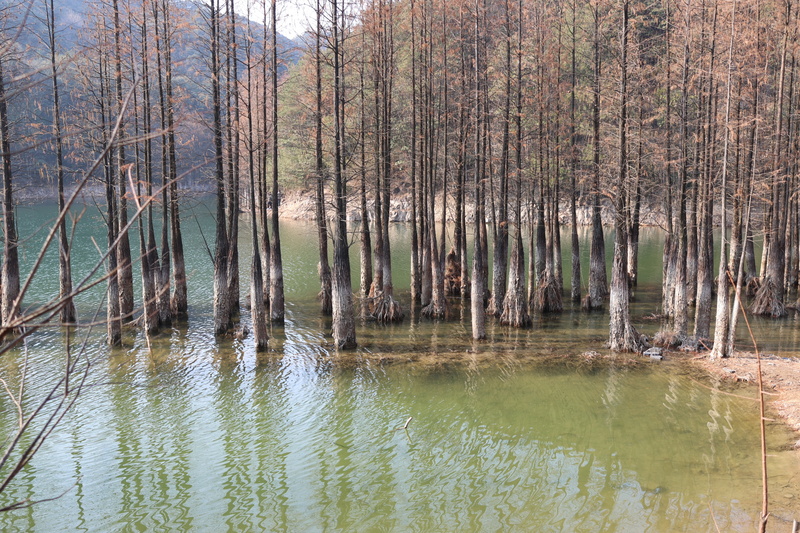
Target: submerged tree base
x=325 y=301
x=452 y=274
x=515 y=313
x=386 y=309
x=628 y=341
x=434 y=311
x=767 y=301
x=548 y=296
x=588 y=305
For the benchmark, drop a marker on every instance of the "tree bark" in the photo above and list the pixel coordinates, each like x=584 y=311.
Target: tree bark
x=323 y=265
x=622 y=335
x=723 y=319
x=597 y=254
x=344 y=328
x=276 y=297
x=67 y=312
x=10 y=268
x=223 y=321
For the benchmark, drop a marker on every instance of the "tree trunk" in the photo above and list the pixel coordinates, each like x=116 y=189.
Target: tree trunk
x=276 y=297
x=344 y=328
x=67 y=311
x=723 y=318
x=705 y=270
x=575 y=282
x=125 y=269
x=10 y=268
x=597 y=254
x=223 y=321
x=478 y=288
x=164 y=307
x=179 y=302
x=500 y=254
x=323 y=267
x=622 y=335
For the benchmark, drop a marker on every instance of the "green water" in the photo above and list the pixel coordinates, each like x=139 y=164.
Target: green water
x=204 y=435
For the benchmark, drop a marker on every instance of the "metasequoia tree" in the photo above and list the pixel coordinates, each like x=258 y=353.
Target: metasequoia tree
x=344 y=328
x=125 y=268
x=722 y=320
x=320 y=216
x=10 y=289
x=163 y=277
x=258 y=309
x=515 y=305
x=223 y=314
x=143 y=163
x=769 y=300
x=385 y=308
x=575 y=283
x=433 y=296
x=231 y=153
x=67 y=314
x=263 y=197
x=97 y=79
x=179 y=304
x=416 y=280
x=366 y=237
x=478 y=288
x=705 y=155
x=597 y=263
x=276 y=303
x=622 y=335
x=500 y=217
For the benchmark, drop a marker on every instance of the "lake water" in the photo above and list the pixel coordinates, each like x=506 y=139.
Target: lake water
x=199 y=434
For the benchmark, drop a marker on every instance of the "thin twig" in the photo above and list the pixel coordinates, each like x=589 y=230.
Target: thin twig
x=765 y=492
x=713 y=518
x=404 y=426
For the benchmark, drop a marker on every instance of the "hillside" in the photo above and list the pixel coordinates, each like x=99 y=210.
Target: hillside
x=78 y=45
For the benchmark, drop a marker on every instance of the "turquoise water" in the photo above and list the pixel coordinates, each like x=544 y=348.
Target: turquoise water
x=200 y=434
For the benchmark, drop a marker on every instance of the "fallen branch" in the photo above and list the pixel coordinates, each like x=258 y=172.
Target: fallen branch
x=404 y=426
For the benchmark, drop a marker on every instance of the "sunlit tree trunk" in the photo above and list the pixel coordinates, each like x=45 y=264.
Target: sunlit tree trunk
x=223 y=320
x=575 y=282
x=622 y=335
x=276 y=298
x=258 y=311
x=723 y=319
x=478 y=288
x=344 y=328
x=705 y=266
x=321 y=218
x=149 y=261
x=67 y=311
x=597 y=257
x=179 y=302
x=500 y=255
x=164 y=307
x=10 y=269
x=366 y=240
x=125 y=269
x=515 y=306
x=232 y=136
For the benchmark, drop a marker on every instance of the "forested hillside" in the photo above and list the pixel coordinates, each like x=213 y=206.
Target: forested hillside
x=82 y=33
